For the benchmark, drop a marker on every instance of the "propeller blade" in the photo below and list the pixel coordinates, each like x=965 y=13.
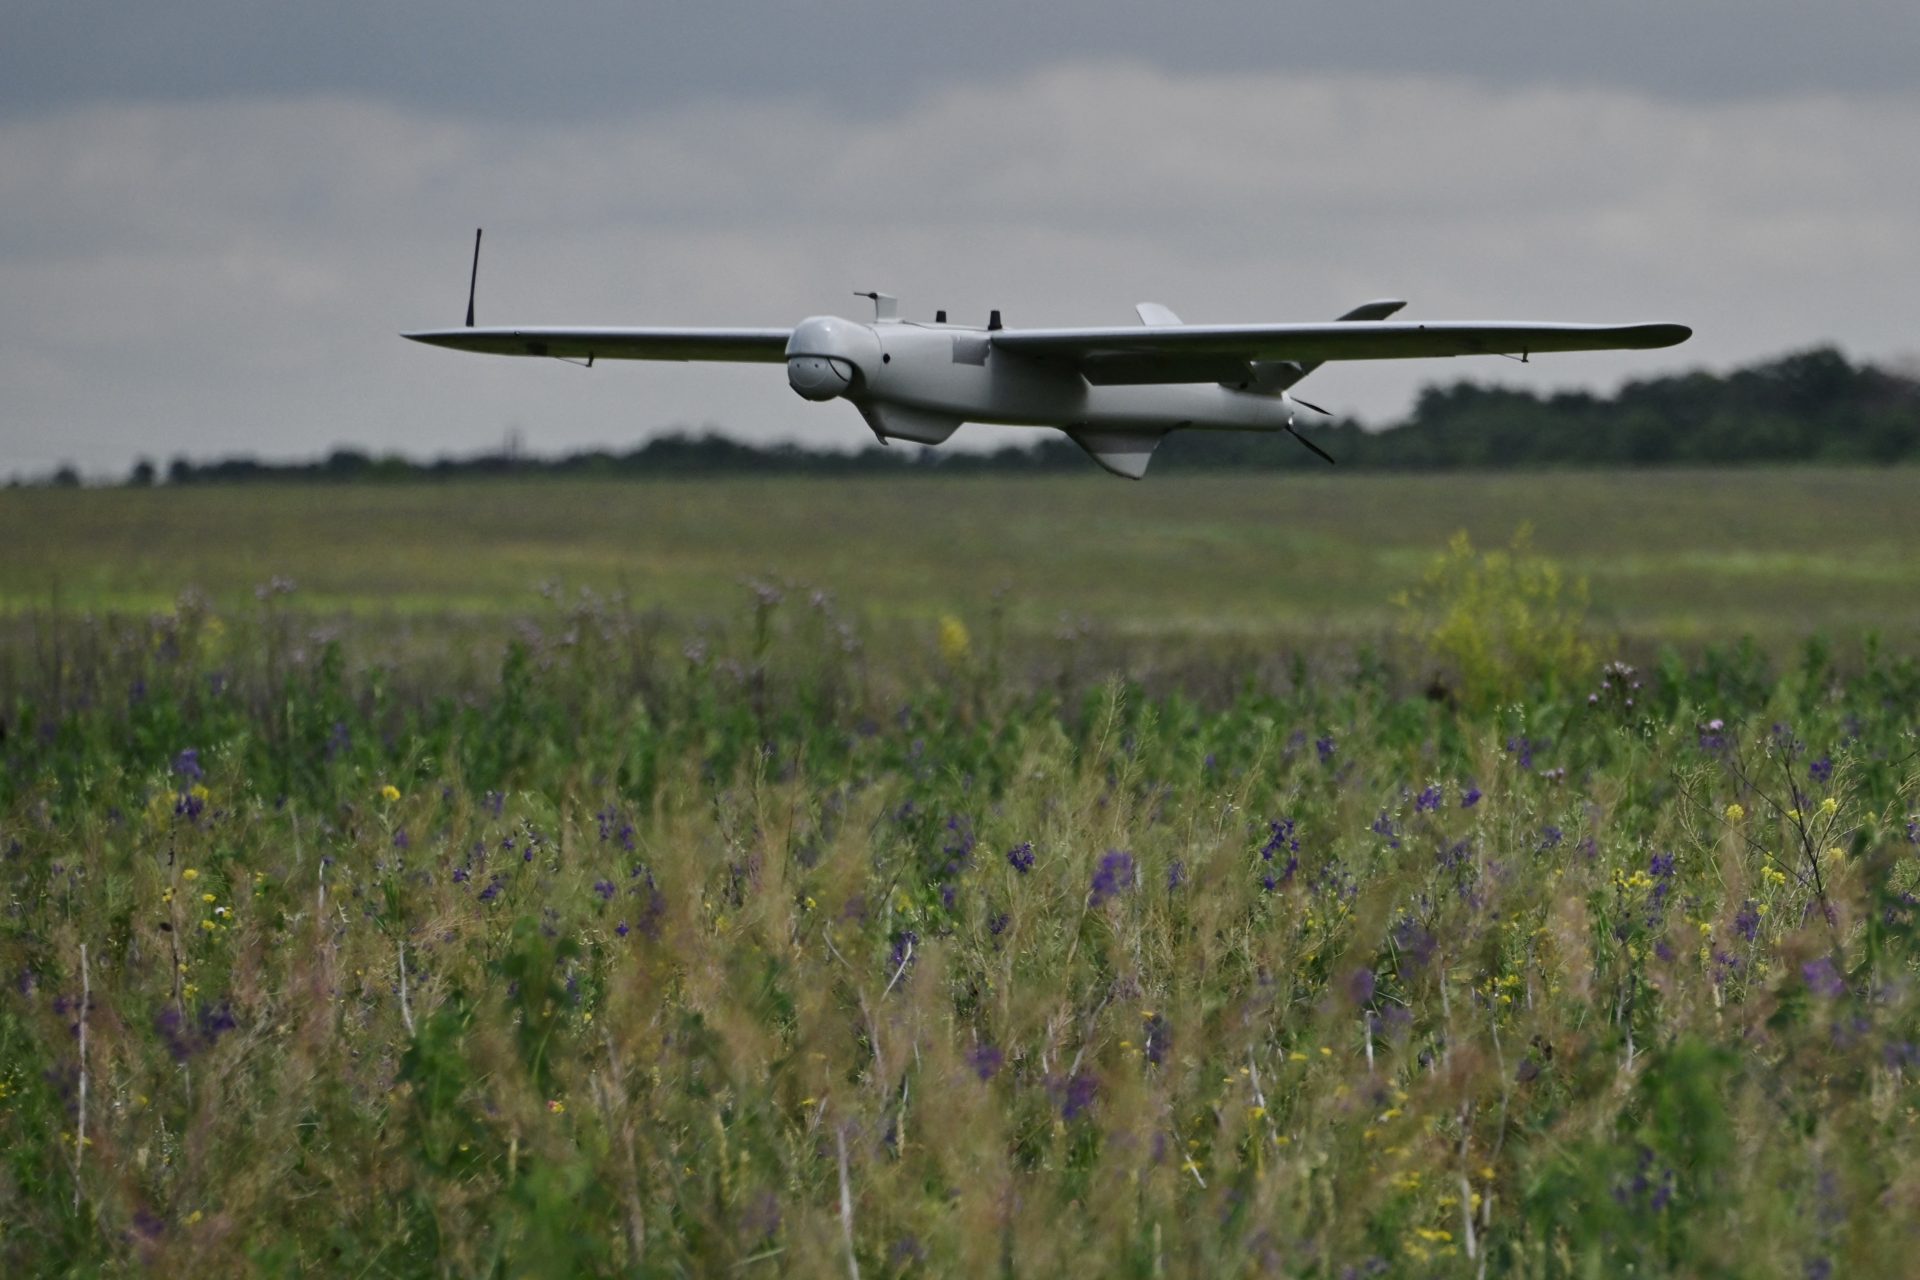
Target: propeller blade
x=1311 y=445
x=1308 y=404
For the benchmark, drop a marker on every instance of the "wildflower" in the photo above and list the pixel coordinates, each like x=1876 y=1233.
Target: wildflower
x=1829 y=807
x=1360 y=985
x=605 y=889
x=208 y=897
x=1735 y=813
x=389 y=793
x=1324 y=745
x=1471 y=798
x=1075 y=1094
x=1114 y=875
x=1020 y=857
x=955 y=644
x=187 y=765
x=189 y=874
x=1159 y=1034
x=1551 y=837
x=985 y=1060
x=1280 y=836
x=1427 y=801
x=1821 y=770
x=1823 y=979
x=622 y=929
x=555 y=1106
x=1747 y=922
x=1383 y=826
x=1176 y=875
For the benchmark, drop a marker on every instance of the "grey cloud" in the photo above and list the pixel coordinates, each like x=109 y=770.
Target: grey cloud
x=506 y=59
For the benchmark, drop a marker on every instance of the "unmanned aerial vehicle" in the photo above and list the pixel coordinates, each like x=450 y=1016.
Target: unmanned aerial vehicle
x=1116 y=390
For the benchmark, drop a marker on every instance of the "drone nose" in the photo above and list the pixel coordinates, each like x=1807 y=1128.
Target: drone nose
x=819 y=377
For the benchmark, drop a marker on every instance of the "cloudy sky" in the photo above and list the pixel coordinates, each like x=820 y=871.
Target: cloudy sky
x=219 y=213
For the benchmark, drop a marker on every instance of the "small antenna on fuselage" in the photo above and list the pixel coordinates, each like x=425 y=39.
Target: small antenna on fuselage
x=473 y=281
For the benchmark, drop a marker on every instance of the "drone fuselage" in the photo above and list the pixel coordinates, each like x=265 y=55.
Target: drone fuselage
x=919 y=382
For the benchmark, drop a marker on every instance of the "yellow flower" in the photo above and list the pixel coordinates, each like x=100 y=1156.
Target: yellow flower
x=955 y=644
x=556 y=1106
x=389 y=793
x=1735 y=813
x=207 y=897
x=189 y=874
x=1829 y=807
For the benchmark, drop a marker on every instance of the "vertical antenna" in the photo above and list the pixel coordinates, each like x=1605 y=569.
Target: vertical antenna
x=474 y=280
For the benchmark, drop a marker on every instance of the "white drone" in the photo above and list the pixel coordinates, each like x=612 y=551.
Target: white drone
x=1117 y=391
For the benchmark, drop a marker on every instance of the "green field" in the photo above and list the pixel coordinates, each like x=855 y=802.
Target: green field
x=927 y=877
x=1669 y=555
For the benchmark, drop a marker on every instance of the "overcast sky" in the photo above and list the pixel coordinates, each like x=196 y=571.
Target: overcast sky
x=218 y=215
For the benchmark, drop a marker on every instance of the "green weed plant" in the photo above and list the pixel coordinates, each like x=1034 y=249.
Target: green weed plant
x=1501 y=622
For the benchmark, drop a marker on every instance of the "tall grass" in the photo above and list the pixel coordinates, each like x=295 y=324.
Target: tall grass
x=626 y=949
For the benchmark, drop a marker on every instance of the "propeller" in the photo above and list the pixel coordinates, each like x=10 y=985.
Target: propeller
x=1308 y=404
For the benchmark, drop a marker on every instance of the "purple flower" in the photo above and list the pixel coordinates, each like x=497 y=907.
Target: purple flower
x=1114 y=875
x=985 y=1060
x=1360 y=985
x=187 y=765
x=1416 y=944
x=622 y=929
x=1747 y=922
x=1020 y=857
x=904 y=944
x=1823 y=979
x=1471 y=798
x=998 y=924
x=1279 y=836
x=1521 y=746
x=400 y=840
x=1551 y=837
x=605 y=889
x=1159 y=1033
x=1324 y=746
x=1821 y=770
x=1176 y=875
x=1427 y=801
x=1661 y=865
x=1075 y=1094
x=1383 y=826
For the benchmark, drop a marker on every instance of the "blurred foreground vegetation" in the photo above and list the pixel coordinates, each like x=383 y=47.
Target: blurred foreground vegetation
x=609 y=941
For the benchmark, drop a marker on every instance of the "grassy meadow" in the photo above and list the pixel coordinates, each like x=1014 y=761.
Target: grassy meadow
x=920 y=876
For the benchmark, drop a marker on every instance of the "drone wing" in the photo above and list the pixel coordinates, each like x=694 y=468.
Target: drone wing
x=756 y=345
x=1235 y=353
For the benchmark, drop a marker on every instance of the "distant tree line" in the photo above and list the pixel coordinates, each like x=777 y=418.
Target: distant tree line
x=1810 y=406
